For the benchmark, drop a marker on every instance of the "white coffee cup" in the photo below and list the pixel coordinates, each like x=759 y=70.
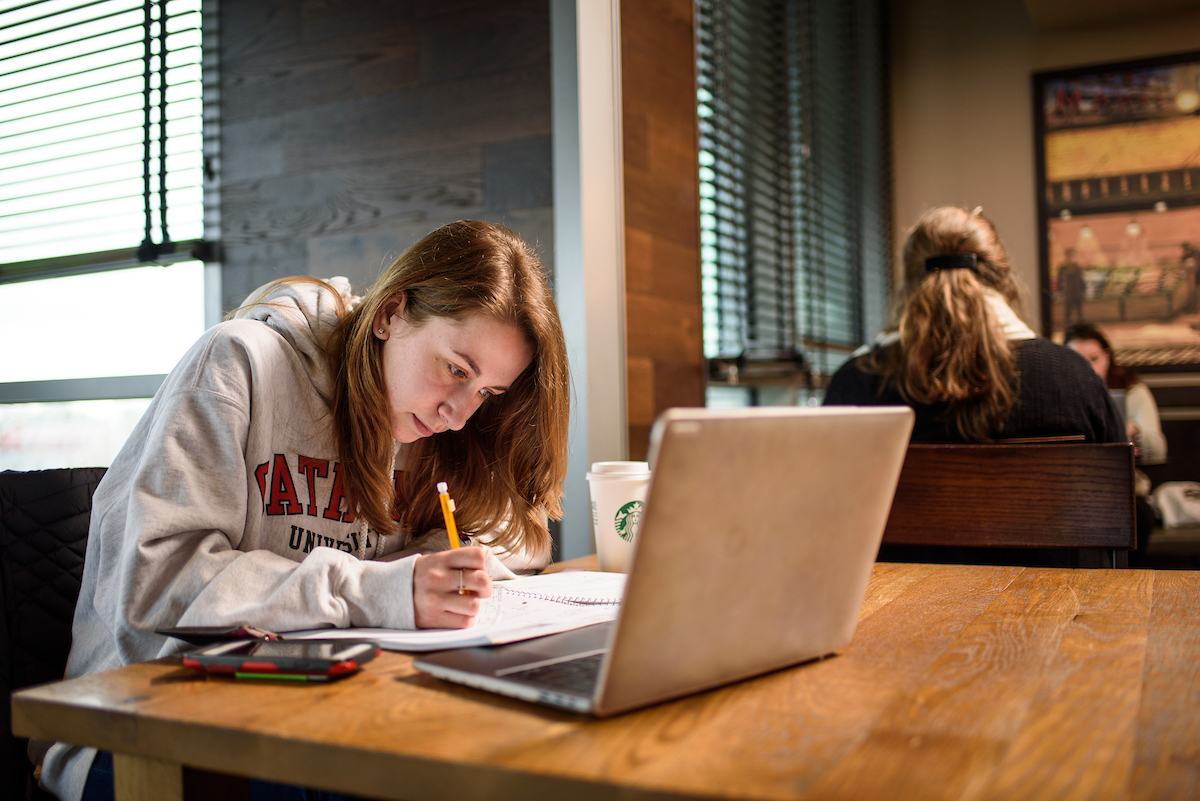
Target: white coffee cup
x=618 y=492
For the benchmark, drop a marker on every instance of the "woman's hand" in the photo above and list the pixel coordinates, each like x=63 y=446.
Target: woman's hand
x=437 y=602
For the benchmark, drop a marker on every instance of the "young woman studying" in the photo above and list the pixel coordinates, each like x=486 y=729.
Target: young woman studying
x=285 y=473
x=961 y=357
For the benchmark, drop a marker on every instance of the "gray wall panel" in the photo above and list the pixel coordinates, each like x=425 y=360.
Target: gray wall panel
x=350 y=130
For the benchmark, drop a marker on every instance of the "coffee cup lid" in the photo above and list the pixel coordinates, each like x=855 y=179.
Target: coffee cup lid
x=620 y=468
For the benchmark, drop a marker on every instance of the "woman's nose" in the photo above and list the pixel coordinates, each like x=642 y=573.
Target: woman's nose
x=458 y=408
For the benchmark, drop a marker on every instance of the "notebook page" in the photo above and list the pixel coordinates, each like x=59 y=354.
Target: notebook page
x=570 y=586
x=519 y=609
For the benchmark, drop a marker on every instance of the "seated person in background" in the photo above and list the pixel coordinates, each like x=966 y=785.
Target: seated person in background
x=1141 y=416
x=1141 y=412
x=961 y=357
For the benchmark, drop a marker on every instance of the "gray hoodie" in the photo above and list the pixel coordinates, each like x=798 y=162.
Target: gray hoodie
x=224 y=507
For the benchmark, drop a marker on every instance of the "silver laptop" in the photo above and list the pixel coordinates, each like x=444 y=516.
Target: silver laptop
x=760 y=530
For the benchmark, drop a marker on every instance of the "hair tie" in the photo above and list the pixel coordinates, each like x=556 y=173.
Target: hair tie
x=952 y=261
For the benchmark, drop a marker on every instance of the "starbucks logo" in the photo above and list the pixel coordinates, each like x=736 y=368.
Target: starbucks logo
x=629 y=520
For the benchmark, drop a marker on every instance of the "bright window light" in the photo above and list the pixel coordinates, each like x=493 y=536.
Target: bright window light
x=82 y=131
x=138 y=321
x=44 y=436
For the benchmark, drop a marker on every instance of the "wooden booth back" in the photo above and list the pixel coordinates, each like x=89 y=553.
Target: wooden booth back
x=1044 y=495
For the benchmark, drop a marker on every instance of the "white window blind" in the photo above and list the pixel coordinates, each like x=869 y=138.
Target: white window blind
x=794 y=184
x=107 y=139
x=101 y=139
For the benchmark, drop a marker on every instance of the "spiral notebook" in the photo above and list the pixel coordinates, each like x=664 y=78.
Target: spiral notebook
x=518 y=609
x=574 y=587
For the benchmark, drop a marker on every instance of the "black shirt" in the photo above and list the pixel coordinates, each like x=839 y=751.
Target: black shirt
x=1058 y=395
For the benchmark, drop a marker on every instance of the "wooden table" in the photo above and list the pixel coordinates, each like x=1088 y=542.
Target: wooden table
x=961 y=682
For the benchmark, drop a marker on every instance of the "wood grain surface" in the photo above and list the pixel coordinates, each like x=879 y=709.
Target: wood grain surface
x=1050 y=495
x=663 y=325
x=964 y=682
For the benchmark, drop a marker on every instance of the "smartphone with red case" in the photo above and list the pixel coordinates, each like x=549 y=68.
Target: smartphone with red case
x=296 y=660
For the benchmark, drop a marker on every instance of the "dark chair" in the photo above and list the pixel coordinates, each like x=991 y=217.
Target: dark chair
x=1064 y=503
x=44 y=518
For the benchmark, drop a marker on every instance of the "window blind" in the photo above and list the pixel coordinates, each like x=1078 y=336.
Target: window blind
x=101 y=140
x=793 y=181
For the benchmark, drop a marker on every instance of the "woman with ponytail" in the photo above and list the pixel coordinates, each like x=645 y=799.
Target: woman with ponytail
x=961 y=357
x=285 y=474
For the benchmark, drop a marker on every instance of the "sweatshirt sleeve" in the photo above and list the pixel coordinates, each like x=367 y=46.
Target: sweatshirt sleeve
x=173 y=521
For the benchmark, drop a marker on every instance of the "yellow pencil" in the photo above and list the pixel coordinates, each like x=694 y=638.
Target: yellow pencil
x=448 y=512
x=451 y=528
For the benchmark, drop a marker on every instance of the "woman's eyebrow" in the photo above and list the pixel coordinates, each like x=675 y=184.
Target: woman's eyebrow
x=475 y=368
x=470 y=362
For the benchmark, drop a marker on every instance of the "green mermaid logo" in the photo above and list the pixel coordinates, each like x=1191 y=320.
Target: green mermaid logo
x=629 y=520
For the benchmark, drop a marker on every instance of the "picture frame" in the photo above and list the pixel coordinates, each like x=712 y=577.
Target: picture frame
x=1118 y=202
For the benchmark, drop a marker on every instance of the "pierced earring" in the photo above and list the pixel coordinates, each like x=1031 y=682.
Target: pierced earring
x=381 y=330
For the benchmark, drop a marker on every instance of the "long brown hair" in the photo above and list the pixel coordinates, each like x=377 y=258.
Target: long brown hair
x=952 y=351
x=506 y=466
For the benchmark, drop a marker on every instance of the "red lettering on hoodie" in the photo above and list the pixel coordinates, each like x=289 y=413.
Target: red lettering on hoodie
x=336 y=495
x=312 y=469
x=260 y=475
x=283 y=490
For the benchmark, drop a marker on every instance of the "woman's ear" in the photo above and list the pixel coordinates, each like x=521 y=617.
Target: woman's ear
x=389 y=313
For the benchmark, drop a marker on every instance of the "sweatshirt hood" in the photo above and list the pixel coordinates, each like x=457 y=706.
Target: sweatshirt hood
x=304 y=313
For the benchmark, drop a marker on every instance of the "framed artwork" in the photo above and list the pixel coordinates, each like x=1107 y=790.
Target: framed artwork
x=1118 y=172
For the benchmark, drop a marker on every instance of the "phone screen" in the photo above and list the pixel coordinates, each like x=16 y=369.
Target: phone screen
x=298 y=649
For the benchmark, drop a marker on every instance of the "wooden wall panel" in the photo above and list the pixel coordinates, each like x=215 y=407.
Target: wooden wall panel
x=349 y=130
x=665 y=360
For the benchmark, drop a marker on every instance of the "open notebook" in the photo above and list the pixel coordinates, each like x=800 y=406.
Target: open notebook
x=518 y=609
x=760 y=530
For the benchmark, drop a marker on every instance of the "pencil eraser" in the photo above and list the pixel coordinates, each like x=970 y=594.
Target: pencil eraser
x=442 y=487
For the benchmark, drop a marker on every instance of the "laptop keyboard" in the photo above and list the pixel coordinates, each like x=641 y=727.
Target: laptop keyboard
x=574 y=675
